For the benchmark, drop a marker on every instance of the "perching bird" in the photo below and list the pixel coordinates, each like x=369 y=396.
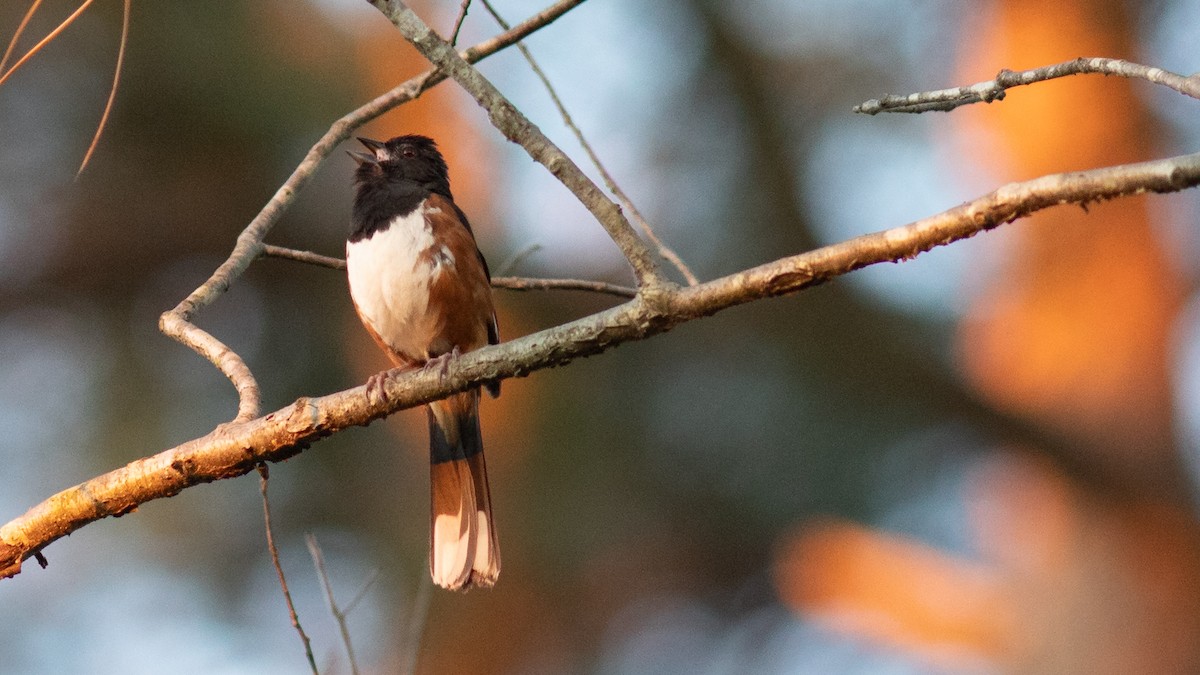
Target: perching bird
x=422 y=289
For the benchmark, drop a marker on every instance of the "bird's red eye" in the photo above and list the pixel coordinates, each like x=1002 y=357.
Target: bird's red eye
x=408 y=152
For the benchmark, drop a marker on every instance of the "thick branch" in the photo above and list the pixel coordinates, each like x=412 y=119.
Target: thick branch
x=234 y=449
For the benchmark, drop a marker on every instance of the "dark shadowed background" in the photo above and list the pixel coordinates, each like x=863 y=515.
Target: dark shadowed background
x=982 y=460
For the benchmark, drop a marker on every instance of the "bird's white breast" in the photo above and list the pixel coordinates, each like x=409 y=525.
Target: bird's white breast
x=390 y=274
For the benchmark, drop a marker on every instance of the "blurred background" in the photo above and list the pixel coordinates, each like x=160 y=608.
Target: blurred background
x=979 y=461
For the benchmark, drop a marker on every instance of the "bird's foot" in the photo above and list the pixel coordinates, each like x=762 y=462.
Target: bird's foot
x=376 y=393
x=442 y=362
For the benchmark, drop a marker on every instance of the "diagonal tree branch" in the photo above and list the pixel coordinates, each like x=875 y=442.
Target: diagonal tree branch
x=234 y=449
x=517 y=128
x=665 y=251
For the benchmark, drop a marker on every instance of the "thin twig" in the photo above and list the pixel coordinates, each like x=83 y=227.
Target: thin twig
x=458 y=22
x=507 y=283
x=271 y=251
x=177 y=322
x=665 y=251
x=414 y=625
x=112 y=93
x=318 y=558
x=517 y=128
x=12 y=44
x=531 y=284
x=46 y=40
x=516 y=259
x=944 y=100
x=264 y=473
x=362 y=591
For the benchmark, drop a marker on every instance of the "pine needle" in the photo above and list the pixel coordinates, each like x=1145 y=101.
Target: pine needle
x=44 y=41
x=112 y=93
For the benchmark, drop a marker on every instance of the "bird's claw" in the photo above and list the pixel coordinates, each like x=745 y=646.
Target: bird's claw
x=442 y=362
x=376 y=392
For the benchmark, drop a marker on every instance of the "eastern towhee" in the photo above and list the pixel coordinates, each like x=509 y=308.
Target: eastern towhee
x=423 y=290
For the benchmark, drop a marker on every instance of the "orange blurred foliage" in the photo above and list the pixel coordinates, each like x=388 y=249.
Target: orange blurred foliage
x=895 y=590
x=1073 y=333
x=1065 y=581
x=1073 y=329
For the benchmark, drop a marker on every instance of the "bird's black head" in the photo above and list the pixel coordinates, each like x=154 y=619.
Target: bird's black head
x=393 y=179
x=404 y=159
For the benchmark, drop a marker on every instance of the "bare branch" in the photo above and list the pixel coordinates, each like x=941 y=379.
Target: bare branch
x=458 y=22
x=518 y=32
x=264 y=475
x=235 y=449
x=508 y=283
x=318 y=559
x=944 y=100
x=518 y=129
x=177 y=323
x=530 y=284
x=665 y=251
x=309 y=257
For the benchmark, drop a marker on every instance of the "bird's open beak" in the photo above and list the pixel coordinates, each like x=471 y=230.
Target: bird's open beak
x=377 y=154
